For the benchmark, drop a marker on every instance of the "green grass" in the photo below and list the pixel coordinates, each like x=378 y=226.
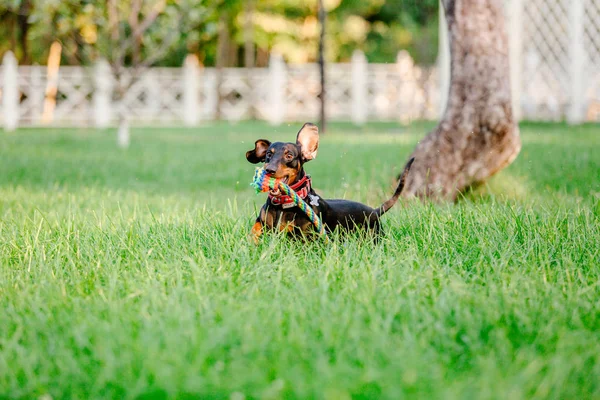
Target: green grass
x=128 y=274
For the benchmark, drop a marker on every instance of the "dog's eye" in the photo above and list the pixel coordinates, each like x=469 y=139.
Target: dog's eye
x=289 y=157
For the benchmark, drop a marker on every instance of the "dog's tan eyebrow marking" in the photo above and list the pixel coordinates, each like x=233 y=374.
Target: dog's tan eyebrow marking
x=290 y=150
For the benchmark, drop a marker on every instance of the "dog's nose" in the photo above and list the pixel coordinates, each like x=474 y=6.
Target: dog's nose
x=269 y=170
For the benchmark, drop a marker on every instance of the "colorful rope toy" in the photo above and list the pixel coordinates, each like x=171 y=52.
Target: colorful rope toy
x=263 y=182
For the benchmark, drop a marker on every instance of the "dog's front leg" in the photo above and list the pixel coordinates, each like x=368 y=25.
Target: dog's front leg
x=259 y=226
x=257 y=230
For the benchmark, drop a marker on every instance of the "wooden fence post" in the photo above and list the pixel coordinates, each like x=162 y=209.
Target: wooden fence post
x=37 y=94
x=515 y=44
x=102 y=94
x=577 y=59
x=153 y=101
x=408 y=87
x=52 y=72
x=359 y=88
x=10 y=92
x=277 y=84
x=211 y=94
x=191 y=95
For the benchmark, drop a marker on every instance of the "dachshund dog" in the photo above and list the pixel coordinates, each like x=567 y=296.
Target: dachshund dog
x=285 y=161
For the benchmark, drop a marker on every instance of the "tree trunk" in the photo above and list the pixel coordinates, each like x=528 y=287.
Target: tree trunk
x=477 y=135
x=13 y=39
x=23 y=22
x=322 y=95
x=222 y=57
x=249 y=34
x=249 y=53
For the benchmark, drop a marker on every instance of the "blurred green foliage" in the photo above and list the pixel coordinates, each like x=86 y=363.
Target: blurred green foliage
x=378 y=27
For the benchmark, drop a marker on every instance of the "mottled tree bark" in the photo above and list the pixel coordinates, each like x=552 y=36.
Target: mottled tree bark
x=477 y=135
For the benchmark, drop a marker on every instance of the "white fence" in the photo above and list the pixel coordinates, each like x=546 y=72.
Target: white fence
x=555 y=75
x=560 y=59
x=356 y=91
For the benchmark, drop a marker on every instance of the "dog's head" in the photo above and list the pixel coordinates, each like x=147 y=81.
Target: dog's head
x=285 y=160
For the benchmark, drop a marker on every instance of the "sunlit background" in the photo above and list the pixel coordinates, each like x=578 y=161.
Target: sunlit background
x=147 y=62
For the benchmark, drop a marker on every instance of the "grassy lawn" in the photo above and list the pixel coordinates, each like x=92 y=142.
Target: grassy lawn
x=128 y=274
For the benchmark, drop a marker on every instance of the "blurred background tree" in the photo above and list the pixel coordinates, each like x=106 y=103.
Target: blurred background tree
x=221 y=32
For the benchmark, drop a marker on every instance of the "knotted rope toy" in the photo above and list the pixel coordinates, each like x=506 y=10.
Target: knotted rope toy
x=263 y=182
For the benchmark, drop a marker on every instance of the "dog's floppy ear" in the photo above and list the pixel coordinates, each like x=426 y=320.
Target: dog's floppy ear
x=259 y=152
x=308 y=140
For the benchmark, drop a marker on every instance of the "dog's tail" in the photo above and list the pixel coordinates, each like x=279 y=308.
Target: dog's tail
x=390 y=203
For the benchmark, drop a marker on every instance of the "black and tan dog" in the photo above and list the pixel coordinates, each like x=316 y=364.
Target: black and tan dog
x=285 y=161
